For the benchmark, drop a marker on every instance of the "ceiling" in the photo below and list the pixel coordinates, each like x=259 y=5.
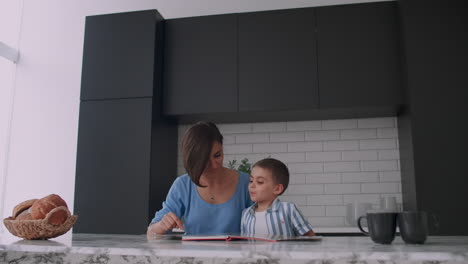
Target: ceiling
x=183 y=8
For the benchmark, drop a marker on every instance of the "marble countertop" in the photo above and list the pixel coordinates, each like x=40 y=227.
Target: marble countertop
x=91 y=248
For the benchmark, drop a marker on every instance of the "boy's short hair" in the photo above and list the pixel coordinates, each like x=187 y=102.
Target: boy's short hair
x=278 y=170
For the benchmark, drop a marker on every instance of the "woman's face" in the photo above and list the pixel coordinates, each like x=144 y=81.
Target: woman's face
x=215 y=162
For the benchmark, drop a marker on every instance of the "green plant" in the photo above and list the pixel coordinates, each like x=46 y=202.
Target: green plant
x=244 y=165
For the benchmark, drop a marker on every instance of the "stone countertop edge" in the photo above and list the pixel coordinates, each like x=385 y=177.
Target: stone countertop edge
x=333 y=249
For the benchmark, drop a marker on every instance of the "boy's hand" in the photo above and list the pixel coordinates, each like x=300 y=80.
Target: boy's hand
x=309 y=233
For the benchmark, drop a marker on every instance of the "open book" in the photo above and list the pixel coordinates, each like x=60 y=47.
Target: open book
x=238 y=237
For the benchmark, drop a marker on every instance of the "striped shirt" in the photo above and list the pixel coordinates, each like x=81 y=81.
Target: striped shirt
x=283 y=218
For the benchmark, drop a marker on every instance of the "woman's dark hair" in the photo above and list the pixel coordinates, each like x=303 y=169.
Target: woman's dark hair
x=278 y=170
x=197 y=143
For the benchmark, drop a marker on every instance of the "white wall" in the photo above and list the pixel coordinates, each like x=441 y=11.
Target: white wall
x=10 y=18
x=49 y=36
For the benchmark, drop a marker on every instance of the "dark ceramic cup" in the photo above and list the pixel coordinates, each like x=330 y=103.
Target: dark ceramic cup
x=414 y=227
x=381 y=225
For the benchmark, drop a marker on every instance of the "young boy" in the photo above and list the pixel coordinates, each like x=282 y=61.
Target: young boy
x=269 y=216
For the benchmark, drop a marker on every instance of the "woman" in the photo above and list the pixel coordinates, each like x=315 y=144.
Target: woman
x=210 y=198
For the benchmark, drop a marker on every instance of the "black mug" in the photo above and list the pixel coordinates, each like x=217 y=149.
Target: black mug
x=381 y=225
x=414 y=227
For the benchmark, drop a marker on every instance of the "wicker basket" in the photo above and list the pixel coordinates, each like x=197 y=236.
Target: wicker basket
x=40 y=228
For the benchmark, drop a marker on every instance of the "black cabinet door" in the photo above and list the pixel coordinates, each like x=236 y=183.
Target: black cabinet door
x=358 y=55
x=119 y=55
x=277 y=60
x=200 y=65
x=113 y=166
x=433 y=140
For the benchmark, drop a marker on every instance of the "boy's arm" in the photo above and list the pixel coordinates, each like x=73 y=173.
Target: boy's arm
x=243 y=231
x=301 y=225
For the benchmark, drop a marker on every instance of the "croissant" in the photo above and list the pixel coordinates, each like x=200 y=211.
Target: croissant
x=22 y=207
x=42 y=207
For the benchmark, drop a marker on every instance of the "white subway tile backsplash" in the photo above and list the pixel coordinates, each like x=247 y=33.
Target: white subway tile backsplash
x=343 y=166
x=234 y=128
x=342 y=188
x=270 y=147
x=180 y=170
x=390 y=176
x=387 y=132
x=358 y=133
x=269 y=127
x=341 y=145
x=323 y=156
x=294 y=189
x=376 y=122
x=252 y=138
x=229 y=139
x=298 y=200
x=297 y=178
x=389 y=154
x=323 y=178
x=359 y=155
x=361 y=198
x=181 y=131
x=353 y=177
x=383 y=187
x=308 y=211
x=237 y=149
x=337 y=221
x=303 y=125
x=253 y=157
x=380 y=165
x=322 y=135
x=339 y=124
x=331 y=162
x=377 y=144
x=305 y=167
x=325 y=199
x=287 y=137
x=305 y=146
x=335 y=210
x=289 y=157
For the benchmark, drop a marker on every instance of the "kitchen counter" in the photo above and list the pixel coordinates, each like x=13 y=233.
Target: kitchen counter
x=89 y=248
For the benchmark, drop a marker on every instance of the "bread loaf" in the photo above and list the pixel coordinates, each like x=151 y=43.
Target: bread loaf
x=25 y=215
x=22 y=207
x=58 y=215
x=41 y=207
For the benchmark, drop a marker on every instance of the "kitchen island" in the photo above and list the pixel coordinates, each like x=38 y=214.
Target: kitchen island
x=93 y=248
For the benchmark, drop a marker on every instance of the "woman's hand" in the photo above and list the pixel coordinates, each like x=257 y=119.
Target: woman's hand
x=168 y=222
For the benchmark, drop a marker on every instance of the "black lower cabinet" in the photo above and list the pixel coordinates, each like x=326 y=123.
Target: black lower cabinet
x=125 y=165
x=433 y=132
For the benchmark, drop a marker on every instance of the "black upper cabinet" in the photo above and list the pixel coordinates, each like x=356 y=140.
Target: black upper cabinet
x=200 y=65
x=119 y=55
x=126 y=153
x=277 y=60
x=358 y=55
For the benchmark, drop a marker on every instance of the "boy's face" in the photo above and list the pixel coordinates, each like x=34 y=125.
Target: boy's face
x=262 y=187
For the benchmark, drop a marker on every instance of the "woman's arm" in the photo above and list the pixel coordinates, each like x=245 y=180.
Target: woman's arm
x=174 y=205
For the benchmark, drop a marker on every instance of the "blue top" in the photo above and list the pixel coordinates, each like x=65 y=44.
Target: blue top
x=282 y=218
x=200 y=217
